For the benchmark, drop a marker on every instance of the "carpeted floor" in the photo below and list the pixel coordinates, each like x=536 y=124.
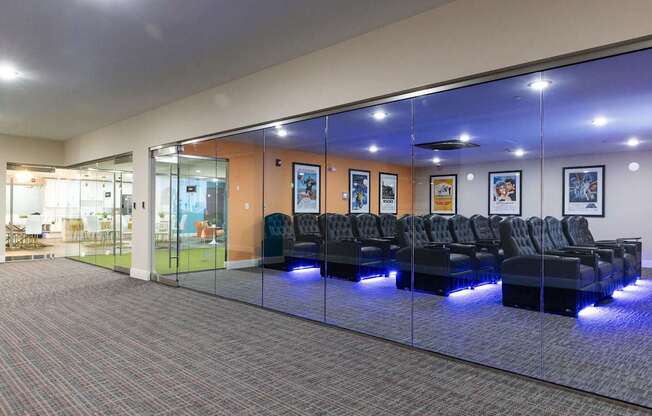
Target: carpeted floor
x=79 y=340
x=606 y=350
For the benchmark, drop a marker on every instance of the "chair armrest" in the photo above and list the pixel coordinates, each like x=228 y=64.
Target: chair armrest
x=587 y=258
x=467 y=249
x=618 y=250
x=310 y=238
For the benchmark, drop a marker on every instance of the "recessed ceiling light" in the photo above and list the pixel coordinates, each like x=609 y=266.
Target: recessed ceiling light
x=539 y=85
x=379 y=115
x=8 y=73
x=373 y=148
x=282 y=132
x=519 y=152
x=198 y=171
x=436 y=160
x=633 y=142
x=465 y=137
x=278 y=126
x=599 y=121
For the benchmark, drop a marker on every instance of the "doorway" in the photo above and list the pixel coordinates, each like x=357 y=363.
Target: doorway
x=190 y=211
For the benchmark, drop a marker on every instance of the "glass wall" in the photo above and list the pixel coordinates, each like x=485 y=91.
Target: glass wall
x=501 y=223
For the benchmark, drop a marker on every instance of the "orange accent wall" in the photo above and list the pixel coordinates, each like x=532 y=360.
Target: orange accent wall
x=247 y=174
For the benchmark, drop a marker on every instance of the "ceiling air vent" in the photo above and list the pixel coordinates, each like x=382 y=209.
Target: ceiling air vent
x=447 y=145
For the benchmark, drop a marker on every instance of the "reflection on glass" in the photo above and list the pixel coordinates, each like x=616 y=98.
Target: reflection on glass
x=369 y=182
x=597 y=167
x=295 y=194
x=477 y=165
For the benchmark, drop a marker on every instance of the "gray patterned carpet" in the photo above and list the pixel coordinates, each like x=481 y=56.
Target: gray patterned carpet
x=606 y=350
x=78 y=340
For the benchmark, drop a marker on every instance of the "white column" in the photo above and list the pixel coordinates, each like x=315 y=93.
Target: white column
x=141 y=257
x=3 y=198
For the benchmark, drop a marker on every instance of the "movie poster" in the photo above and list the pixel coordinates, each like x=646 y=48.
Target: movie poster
x=388 y=203
x=306 y=190
x=443 y=194
x=359 y=186
x=505 y=193
x=584 y=191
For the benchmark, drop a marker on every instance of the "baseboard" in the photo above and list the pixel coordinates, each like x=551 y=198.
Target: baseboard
x=242 y=264
x=139 y=274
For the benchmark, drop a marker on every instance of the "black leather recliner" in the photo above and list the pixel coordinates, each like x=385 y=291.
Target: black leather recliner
x=347 y=256
x=365 y=227
x=482 y=231
x=437 y=268
x=439 y=232
x=577 y=231
x=603 y=270
x=568 y=285
x=488 y=253
x=281 y=250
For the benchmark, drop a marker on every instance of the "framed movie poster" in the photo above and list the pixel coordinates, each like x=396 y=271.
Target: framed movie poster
x=359 y=186
x=505 y=192
x=388 y=195
x=306 y=191
x=584 y=191
x=443 y=194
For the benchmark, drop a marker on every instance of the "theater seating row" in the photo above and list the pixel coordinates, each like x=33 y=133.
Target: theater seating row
x=442 y=255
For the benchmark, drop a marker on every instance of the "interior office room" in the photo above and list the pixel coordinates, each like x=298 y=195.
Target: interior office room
x=427 y=208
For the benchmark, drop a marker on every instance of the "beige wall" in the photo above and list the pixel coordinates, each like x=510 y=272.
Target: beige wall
x=24 y=150
x=459 y=39
x=627 y=195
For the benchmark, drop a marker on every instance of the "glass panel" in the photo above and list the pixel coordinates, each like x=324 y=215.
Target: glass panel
x=369 y=186
x=166 y=166
x=42 y=212
x=123 y=220
x=199 y=253
x=477 y=166
x=294 y=197
x=597 y=175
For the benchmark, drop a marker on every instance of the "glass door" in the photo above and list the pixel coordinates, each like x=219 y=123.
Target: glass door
x=122 y=221
x=166 y=196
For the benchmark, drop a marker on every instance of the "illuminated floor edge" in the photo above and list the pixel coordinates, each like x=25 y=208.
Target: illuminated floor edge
x=604 y=350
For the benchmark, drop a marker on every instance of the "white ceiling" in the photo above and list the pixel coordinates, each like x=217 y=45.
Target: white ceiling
x=89 y=63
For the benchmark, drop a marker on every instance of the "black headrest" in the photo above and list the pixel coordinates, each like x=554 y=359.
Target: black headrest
x=495 y=225
x=306 y=224
x=460 y=228
x=387 y=224
x=411 y=231
x=336 y=227
x=539 y=235
x=515 y=237
x=365 y=226
x=437 y=228
x=278 y=225
x=555 y=232
x=577 y=231
x=481 y=227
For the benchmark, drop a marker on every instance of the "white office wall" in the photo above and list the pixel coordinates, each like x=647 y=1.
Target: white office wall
x=461 y=38
x=628 y=195
x=24 y=150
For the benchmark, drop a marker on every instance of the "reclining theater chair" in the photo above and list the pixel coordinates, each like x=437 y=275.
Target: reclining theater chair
x=281 y=250
x=568 y=284
x=365 y=228
x=495 y=220
x=439 y=232
x=488 y=253
x=577 y=231
x=603 y=270
x=483 y=231
x=438 y=267
x=346 y=256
